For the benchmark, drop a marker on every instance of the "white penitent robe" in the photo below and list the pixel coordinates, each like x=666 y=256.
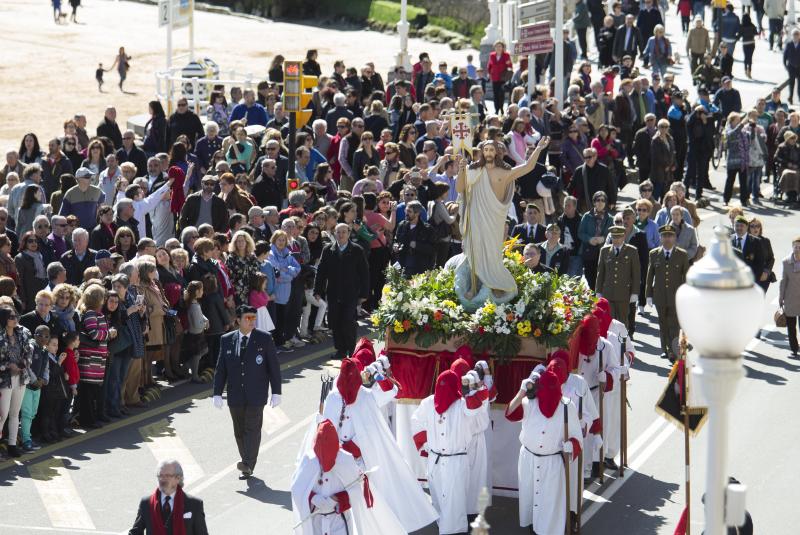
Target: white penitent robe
x=577 y=391
x=363 y=424
x=359 y=519
x=483 y=219
x=623 y=346
x=448 y=436
x=542 y=482
x=477 y=455
x=588 y=368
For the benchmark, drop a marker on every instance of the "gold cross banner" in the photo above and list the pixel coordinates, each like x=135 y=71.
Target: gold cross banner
x=461 y=132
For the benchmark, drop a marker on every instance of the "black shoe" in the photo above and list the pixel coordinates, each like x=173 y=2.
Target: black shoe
x=609 y=462
x=124 y=411
x=244 y=469
x=13 y=451
x=595 y=469
x=664 y=356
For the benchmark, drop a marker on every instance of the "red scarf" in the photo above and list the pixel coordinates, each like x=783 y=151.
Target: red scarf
x=178 y=197
x=177 y=514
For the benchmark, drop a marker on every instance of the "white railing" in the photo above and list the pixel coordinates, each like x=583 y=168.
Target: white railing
x=167 y=92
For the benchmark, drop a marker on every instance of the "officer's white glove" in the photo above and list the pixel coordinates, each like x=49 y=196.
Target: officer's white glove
x=634 y=298
x=523 y=387
x=649 y=302
x=483 y=364
x=566 y=447
x=537 y=371
x=601 y=377
x=217 y=401
x=488 y=381
x=384 y=362
x=274 y=400
x=323 y=504
x=376 y=370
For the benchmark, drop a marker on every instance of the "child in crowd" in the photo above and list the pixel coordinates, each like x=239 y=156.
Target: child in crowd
x=54 y=395
x=194 y=341
x=69 y=348
x=608 y=78
x=39 y=376
x=98 y=75
x=262 y=252
x=259 y=299
x=626 y=69
x=443 y=75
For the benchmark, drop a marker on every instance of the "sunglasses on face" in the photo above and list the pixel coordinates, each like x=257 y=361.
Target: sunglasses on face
x=642 y=210
x=647 y=190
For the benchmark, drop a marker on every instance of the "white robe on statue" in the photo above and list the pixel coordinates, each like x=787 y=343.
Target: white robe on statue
x=542 y=482
x=363 y=423
x=577 y=391
x=588 y=368
x=623 y=345
x=483 y=221
x=358 y=520
x=448 y=434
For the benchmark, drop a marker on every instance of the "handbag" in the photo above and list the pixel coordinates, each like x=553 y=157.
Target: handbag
x=780 y=318
x=123 y=341
x=170 y=329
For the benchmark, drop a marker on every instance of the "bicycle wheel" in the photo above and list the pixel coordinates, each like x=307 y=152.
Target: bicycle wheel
x=716 y=156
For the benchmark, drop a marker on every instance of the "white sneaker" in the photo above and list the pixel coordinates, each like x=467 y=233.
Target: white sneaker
x=296 y=342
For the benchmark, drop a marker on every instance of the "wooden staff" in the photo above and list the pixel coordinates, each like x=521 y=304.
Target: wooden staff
x=579 y=500
x=567 y=460
x=601 y=387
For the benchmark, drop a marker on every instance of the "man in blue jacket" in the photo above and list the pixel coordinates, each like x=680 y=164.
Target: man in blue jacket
x=248 y=366
x=729 y=28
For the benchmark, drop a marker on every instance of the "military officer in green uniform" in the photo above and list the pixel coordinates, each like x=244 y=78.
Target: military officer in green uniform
x=619 y=275
x=666 y=272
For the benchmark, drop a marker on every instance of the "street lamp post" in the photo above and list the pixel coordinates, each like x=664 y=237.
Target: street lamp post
x=492 y=31
x=403 y=59
x=719 y=308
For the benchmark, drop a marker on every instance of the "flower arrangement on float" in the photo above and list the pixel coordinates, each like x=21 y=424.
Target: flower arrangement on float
x=547 y=309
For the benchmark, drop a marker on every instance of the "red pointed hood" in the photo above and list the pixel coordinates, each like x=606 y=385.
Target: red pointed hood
x=559 y=362
x=448 y=390
x=326 y=445
x=549 y=393
x=584 y=339
x=364 y=354
x=603 y=305
x=461 y=366
x=465 y=352
x=349 y=381
x=604 y=321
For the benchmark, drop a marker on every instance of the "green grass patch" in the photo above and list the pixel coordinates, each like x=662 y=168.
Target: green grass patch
x=474 y=32
x=389 y=13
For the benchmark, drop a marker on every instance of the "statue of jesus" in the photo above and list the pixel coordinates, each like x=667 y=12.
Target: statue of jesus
x=486 y=190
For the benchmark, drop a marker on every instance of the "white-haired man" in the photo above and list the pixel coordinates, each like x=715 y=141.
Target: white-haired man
x=80 y=257
x=207 y=146
x=168 y=504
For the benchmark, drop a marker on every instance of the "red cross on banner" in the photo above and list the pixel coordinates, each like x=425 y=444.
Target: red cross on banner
x=461 y=131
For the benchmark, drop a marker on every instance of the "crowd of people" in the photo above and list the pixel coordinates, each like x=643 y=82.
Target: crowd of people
x=123 y=260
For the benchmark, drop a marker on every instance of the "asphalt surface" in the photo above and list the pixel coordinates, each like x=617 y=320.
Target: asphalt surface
x=91 y=484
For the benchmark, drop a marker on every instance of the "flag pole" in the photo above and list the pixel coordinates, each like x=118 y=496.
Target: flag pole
x=686 y=449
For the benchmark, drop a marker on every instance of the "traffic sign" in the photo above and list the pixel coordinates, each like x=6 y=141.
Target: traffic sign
x=533 y=11
x=534 y=47
x=181 y=12
x=534 y=31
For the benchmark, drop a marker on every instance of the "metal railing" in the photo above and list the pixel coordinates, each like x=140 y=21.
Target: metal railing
x=167 y=92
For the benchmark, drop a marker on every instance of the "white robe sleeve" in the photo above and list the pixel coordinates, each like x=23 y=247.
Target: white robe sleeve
x=383 y=398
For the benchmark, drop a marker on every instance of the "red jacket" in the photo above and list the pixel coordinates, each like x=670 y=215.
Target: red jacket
x=497 y=66
x=70 y=367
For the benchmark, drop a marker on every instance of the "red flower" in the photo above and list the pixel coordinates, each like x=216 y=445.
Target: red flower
x=437 y=316
x=406 y=324
x=426 y=327
x=481 y=330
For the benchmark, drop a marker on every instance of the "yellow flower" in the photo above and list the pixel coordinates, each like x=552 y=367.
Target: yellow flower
x=376 y=320
x=386 y=290
x=398 y=327
x=449 y=304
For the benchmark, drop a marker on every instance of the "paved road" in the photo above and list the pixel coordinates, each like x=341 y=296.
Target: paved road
x=91 y=484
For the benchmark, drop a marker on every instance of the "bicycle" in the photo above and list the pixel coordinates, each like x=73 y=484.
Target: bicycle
x=720 y=145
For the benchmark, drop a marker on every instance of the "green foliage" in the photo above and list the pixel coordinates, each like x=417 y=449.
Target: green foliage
x=389 y=12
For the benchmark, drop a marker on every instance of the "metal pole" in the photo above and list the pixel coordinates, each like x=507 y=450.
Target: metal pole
x=688 y=470
x=402 y=31
x=792 y=16
x=531 y=74
x=558 y=37
x=718 y=379
x=191 y=30
x=292 y=130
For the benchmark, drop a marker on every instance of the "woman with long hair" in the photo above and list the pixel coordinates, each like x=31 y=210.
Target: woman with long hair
x=124 y=243
x=406 y=142
x=275 y=72
x=95 y=159
x=323 y=175
x=31 y=269
x=242 y=264
x=123 y=65
x=286 y=269
x=16 y=354
x=219 y=111
x=172 y=283
x=7 y=266
x=31 y=207
x=29 y=149
x=155 y=130
x=156 y=305
x=366 y=155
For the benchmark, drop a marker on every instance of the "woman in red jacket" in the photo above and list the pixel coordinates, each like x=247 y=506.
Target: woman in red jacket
x=499 y=63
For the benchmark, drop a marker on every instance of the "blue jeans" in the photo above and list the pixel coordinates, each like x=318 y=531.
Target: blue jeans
x=754 y=181
x=575 y=266
x=699 y=8
x=117 y=373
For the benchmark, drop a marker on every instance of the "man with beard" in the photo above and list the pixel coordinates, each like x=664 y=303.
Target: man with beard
x=364 y=434
x=169 y=505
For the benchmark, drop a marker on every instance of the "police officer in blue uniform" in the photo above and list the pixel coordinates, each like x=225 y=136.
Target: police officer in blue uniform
x=248 y=366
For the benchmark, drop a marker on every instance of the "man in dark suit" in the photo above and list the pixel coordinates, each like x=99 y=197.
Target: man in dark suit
x=627 y=41
x=169 y=504
x=80 y=257
x=666 y=271
x=530 y=231
x=195 y=203
x=748 y=247
x=129 y=152
x=343 y=281
x=413 y=242
x=248 y=365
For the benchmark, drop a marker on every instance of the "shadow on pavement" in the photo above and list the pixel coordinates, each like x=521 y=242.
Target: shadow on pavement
x=770 y=378
x=258 y=490
x=761 y=358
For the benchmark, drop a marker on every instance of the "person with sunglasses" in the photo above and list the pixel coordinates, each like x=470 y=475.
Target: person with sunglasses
x=16 y=352
x=184 y=122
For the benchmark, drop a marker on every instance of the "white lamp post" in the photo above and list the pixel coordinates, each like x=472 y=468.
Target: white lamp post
x=720 y=309
x=403 y=58
x=493 y=29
